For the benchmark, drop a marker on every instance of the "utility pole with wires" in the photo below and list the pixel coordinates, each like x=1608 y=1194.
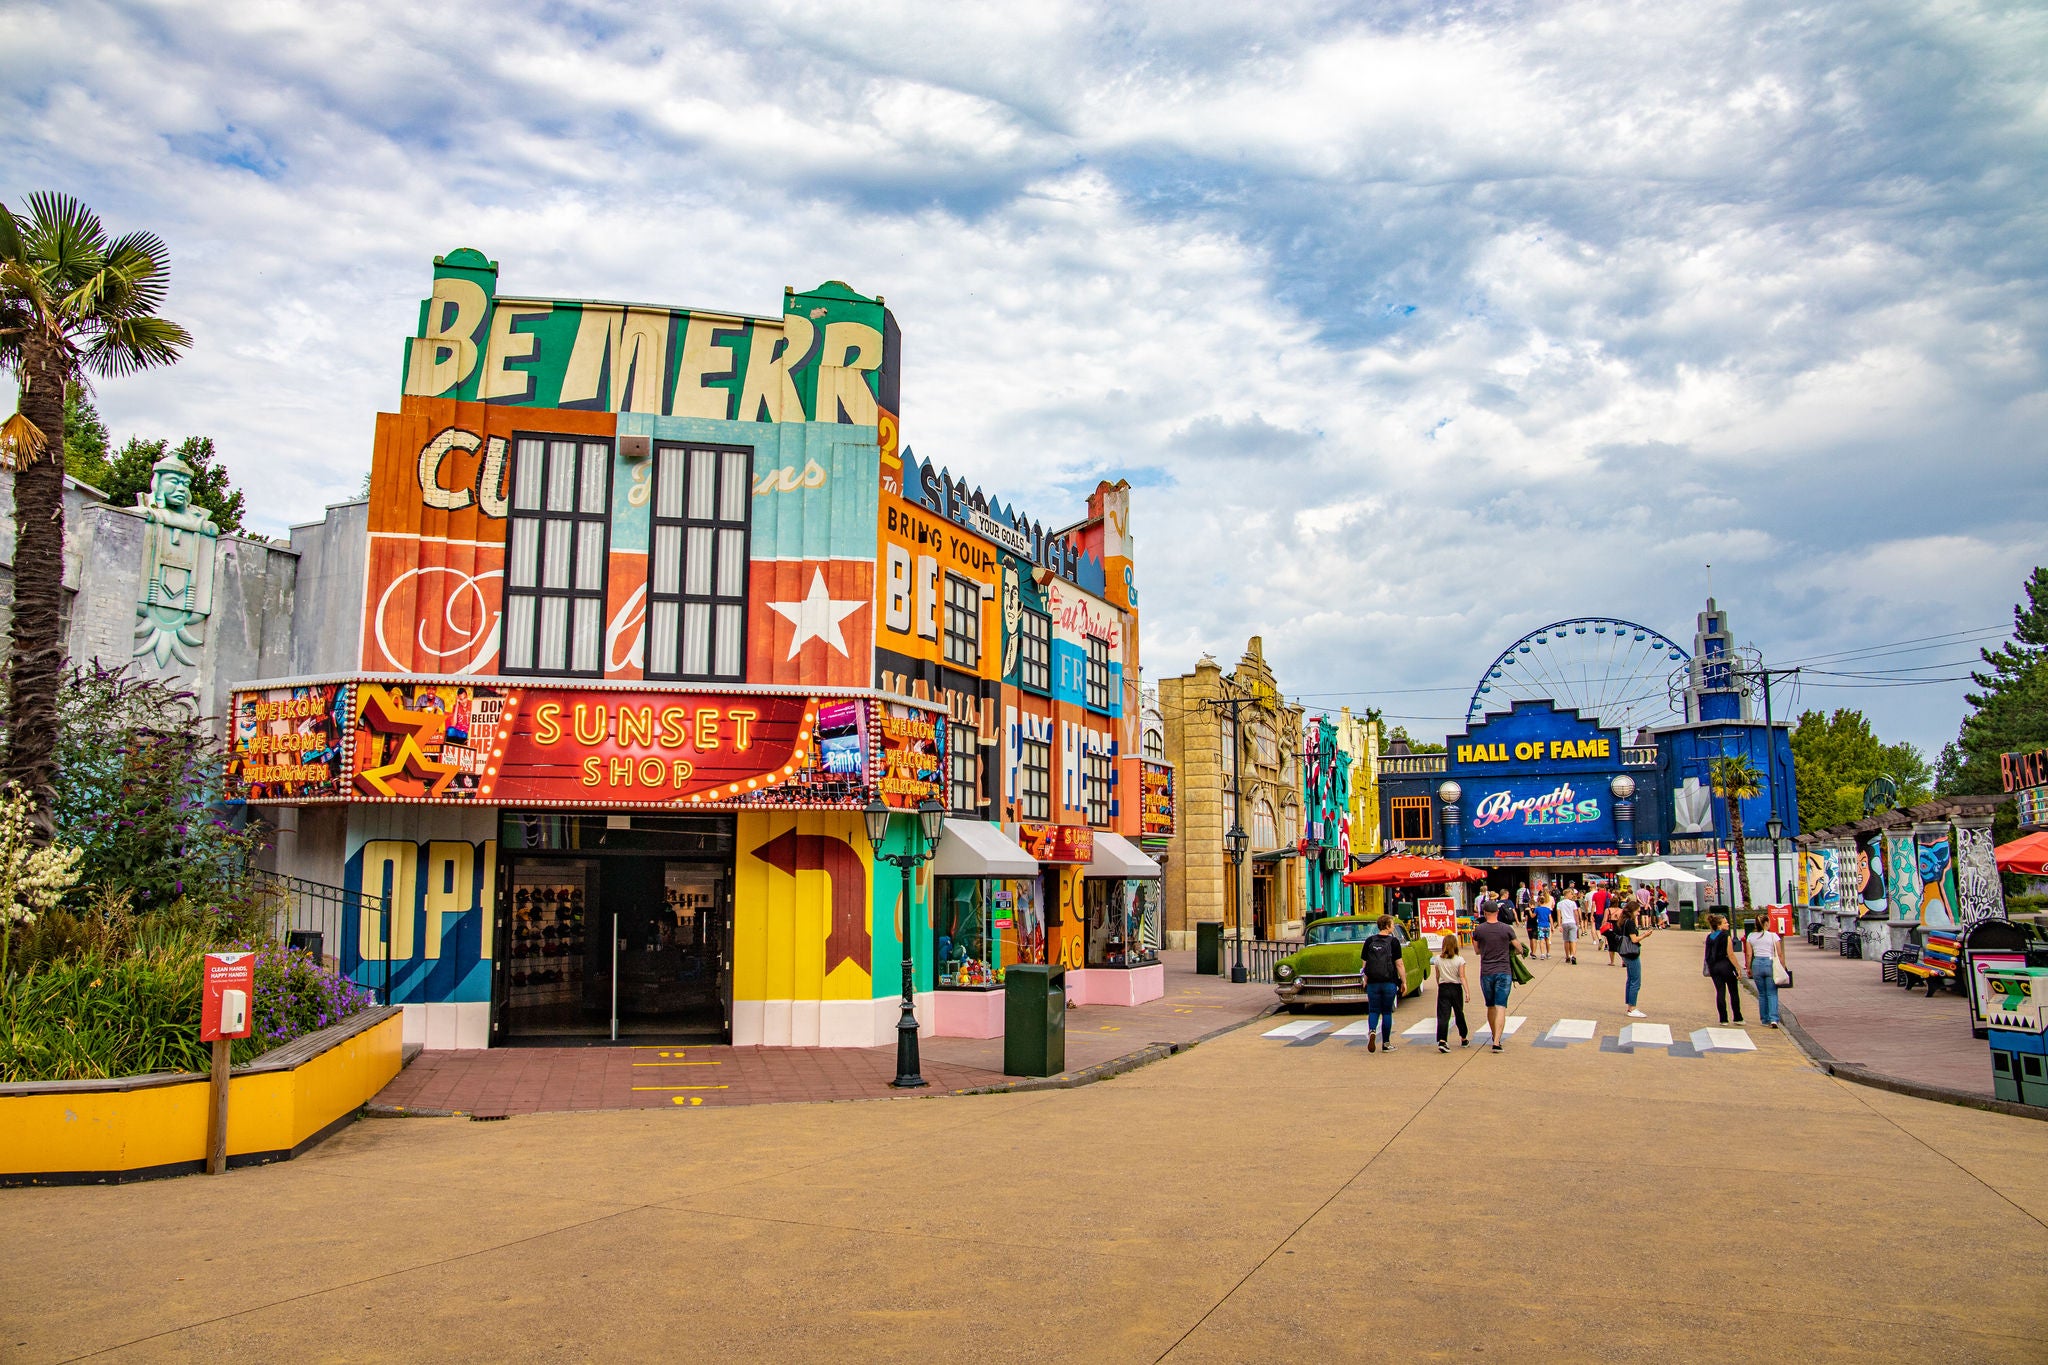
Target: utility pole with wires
x=1775 y=825
x=1235 y=840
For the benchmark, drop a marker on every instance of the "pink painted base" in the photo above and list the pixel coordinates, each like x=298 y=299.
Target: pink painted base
x=967 y=1014
x=1116 y=985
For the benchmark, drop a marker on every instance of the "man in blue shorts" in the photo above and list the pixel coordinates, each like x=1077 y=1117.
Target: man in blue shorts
x=1541 y=933
x=1497 y=947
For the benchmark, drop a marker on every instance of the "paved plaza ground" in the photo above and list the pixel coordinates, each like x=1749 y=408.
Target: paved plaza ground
x=1860 y=1020
x=530 y=1080
x=1249 y=1199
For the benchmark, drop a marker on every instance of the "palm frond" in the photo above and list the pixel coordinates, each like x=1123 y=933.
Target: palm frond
x=21 y=442
x=127 y=344
x=10 y=235
x=144 y=264
x=64 y=236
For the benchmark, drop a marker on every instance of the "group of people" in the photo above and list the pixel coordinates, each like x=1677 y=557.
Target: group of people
x=1760 y=950
x=1624 y=923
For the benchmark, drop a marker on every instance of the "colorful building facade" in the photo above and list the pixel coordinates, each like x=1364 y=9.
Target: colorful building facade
x=1235 y=743
x=651 y=605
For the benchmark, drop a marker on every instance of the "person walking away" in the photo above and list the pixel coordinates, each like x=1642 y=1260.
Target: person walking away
x=1599 y=901
x=1497 y=948
x=1631 y=932
x=1449 y=969
x=1760 y=951
x=1540 y=918
x=1568 y=927
x=1386 y=981
x=1610 y=931
x=1720 y=967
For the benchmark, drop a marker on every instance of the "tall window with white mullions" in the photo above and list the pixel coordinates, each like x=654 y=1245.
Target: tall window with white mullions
x=557 y=548
x=697 y=564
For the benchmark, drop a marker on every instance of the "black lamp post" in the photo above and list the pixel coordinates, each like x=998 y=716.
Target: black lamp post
x=931 y=820
x=1235 y=843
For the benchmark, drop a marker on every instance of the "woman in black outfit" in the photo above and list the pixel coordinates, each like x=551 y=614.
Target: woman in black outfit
x=1720 y=965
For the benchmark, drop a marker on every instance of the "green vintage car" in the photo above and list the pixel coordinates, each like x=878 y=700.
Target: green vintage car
x=1325 y=971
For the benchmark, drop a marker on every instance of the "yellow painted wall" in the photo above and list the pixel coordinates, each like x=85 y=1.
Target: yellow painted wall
x=1067 y=945
x=56 y=1132
x=782 y=923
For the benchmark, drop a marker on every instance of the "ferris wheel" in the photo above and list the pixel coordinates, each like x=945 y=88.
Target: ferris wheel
x=1600 y=666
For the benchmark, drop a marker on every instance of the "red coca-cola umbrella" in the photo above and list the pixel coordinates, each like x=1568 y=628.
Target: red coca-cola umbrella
x=1399 y=869
x=2027 y=855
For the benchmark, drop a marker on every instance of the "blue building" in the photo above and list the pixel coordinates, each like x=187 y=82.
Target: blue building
x=1544 y=792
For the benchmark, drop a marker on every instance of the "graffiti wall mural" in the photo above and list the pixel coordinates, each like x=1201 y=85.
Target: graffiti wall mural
x=1977 y=886
x=1937 y=878
x=1902 y=858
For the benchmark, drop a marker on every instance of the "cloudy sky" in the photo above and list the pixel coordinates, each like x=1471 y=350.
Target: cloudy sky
x=1415 y=327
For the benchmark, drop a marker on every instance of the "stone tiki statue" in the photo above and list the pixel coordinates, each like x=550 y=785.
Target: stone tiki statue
x=177 y=568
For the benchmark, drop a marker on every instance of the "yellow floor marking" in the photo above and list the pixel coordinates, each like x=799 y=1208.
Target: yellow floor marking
x=679 y=1064
x=682 y=1087
x=678 y=1099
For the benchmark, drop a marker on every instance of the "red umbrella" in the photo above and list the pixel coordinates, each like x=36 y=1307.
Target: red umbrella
x=2027 y=854
x=1401 y=870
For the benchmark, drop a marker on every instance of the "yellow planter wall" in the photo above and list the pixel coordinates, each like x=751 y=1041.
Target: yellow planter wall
x=68 y=1136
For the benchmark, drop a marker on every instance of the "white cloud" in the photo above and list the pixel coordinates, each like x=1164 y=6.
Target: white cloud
x=1415 y=329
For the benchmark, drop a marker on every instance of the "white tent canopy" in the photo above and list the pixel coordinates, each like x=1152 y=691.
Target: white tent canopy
x=1659 y=872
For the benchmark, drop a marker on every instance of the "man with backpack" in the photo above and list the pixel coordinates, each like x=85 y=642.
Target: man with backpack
x=1386 y=981
x=1497 y=949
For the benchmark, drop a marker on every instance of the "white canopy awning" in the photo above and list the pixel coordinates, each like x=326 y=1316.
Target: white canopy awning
x=1659 y=872
x=1116 y=856
x=976 y=848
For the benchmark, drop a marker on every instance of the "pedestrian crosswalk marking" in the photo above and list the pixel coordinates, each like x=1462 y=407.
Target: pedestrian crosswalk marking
x=1299 y=1028
x=1722 y=1040
x=1484 y=1035
x=1645 y=1035
x=1563 y=1033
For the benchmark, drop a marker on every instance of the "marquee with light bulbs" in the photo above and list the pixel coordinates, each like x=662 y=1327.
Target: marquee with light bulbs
x=503 y=741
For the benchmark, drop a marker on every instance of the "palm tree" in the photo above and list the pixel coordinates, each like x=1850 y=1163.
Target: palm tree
x=73 y=304
x=1735 y=781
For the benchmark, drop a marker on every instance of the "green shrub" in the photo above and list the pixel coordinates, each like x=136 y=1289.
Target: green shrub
x=99 y=1014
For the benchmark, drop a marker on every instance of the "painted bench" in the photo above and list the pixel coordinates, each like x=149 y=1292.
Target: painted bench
x=1935 y=964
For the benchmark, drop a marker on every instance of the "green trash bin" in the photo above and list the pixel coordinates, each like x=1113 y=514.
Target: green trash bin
x=1034 y=1020
x=1208 y=947
x=1687 y=917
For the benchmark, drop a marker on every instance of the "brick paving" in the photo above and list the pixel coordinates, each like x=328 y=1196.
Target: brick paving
x=531 y=1080
x=1842 y=1005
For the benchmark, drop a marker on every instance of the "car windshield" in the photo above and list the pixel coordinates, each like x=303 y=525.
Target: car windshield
x=1342 y=932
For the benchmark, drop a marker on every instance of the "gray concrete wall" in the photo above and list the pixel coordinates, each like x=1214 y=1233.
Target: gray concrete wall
x=277 y=609
x=333 y=565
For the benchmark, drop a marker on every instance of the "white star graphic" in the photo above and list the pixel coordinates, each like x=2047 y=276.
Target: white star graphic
x=817 y=616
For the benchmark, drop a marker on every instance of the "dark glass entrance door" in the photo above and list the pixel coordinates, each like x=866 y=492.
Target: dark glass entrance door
x=672 y=956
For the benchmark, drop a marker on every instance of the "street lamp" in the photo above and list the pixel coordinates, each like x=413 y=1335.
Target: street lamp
x=1235 y=843
x=931 y=820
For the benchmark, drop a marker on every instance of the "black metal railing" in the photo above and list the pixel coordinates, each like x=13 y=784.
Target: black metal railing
x=1261 y=955
x=348 y=930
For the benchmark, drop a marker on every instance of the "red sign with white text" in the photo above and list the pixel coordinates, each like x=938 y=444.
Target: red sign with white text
x=1438 y=915
x=227 y=996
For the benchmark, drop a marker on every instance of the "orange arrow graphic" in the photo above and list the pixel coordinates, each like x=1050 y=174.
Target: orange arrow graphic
x=849 y=940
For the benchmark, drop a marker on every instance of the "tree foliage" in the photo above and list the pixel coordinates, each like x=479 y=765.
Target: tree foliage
x=125 y=473
x=1735 y=781
x=1416 y=746
x=2009 y=711
x=141 y=789
x=1834 y=757
x=129 y=472
x=74 y=303
x=85 y=437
